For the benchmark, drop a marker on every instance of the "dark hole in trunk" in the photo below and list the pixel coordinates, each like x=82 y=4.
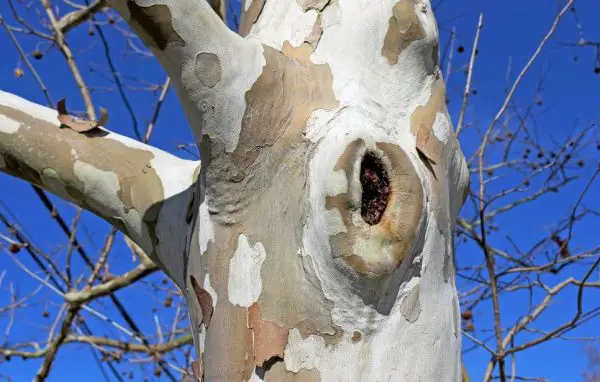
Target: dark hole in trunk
x=375 y=188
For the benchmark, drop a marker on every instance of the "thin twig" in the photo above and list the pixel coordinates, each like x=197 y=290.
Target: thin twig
x=465 y=101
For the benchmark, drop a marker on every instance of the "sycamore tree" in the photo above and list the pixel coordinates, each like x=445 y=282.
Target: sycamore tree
x=312 y=237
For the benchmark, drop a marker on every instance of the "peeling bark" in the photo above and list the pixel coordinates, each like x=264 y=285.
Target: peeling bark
x=404 y=28
x=315 y=242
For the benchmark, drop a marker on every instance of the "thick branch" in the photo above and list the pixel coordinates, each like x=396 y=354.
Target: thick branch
x=211 y=66
x=143 y=191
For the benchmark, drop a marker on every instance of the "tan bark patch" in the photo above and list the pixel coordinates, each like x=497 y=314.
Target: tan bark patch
x=267 y=164
x=205 y=301
x=269 y=340
x=208 y=69
x=404 y=28
x=422 y=120
x=269 y=159
x=279 y=104
x=251 y=16
x=289 y=89
x=228 y=340
x=278 y=373
x=154 y=24
x=309 y=327
x=315 y=34
x=312 y=4
x=197 y=369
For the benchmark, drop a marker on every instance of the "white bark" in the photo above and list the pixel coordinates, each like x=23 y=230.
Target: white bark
x=322 y=107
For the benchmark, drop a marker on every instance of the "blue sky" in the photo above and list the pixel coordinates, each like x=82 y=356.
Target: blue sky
x=512 y=31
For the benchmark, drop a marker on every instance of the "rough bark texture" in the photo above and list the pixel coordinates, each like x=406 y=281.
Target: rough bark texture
x=316 y=242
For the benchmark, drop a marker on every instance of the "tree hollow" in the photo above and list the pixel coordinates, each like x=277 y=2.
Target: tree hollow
x=375 y=184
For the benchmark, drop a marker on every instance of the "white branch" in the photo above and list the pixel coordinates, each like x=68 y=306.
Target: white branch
x=145 y=192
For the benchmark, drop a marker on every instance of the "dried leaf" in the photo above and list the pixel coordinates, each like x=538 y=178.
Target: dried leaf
x=79 y=125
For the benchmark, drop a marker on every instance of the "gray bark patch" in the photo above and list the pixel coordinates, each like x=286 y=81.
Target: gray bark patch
x=448 y=269
x=455 y=316
x=411 y=306
x=208 y=69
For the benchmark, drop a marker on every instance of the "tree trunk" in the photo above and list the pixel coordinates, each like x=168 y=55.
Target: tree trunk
x=316 y=241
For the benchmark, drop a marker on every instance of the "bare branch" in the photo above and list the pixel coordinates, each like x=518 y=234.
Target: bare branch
x=75 y=18
x=467 y=92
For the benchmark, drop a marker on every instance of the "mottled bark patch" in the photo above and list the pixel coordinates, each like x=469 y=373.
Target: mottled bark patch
x=280 y=102
x=404 y=28
x=64 y=150
x=268 y=339
x=154 y=24
x=278 y=106
x=377 y=250
x=250 y=16
x=421 y=125
x=13 y=166
x=315 y=34
x=309 y=327
x=312 y=4
x=411 y=305
x=261 y=371
x=204 y=300
x=266 y=165
x=208 y=69
x=278 y=373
